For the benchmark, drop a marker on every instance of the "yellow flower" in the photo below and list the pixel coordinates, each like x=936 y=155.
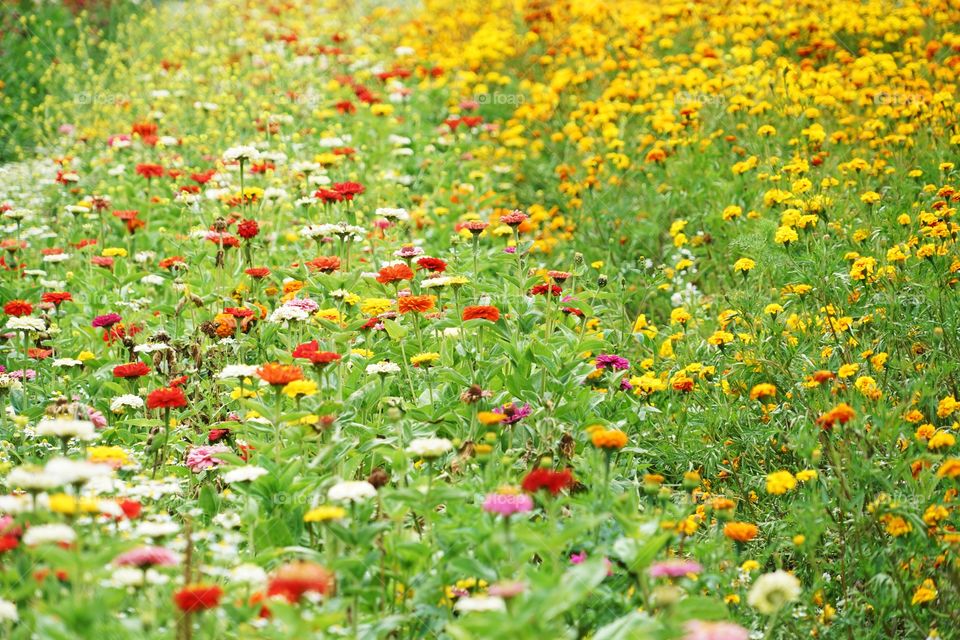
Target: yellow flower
x=926 y=592
x=114 y=456
x=83 y=356
x=780 y=482
x=941 y=440
x=375 y=306
x=806 y=475
x=848 y=370
x=112 y=252
x=488 y=418
x=363 y=353
x=897 y=526
x=324 y=513
x=785 y=235
x=744 y=265
x=763 y=390
x=424 y=359
x=300 y=388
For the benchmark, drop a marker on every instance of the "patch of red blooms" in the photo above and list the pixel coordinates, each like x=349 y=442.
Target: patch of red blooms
x=552 y=481
x=131 y=370
x=436 y=265
x=544 y=289
x=56 y=297
x=166 y=398
x=248 y=229
x=485 y=312
x=18 y=308
x=197 y=597
x=148 y=170
x=394 y=273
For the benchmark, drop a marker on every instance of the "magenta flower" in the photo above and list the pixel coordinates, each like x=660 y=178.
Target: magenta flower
x=506 y=504
x=143 y=557
x=610 y=361
x=204 y=457
x=674 y=568
x=513 y=412
x=700 y=630
x=106 y=321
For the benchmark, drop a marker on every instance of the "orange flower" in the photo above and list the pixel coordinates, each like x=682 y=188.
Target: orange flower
x=609 y=439
x=418 y=304
x=485 y=312
x=394 y=273
x=841 y=413
x=740 y=531
x=279 y=374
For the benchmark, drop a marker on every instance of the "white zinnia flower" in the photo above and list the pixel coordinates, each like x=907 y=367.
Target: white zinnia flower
x=474 y=604
x=127 y=400
x=243 y=153
x=25 y=323
x=244 y=474
x=383 y=368
x=67 y=428
x=237 y=371
x=430 y=447
x=353 y=491
x=48 y=533
x=8 y=611
x=772 y=591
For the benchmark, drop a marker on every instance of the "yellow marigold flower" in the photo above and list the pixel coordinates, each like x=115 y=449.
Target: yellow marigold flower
x=949 y=469
x=806 y=475
x=299 y=388
x=83 y=356
x=785 y=235
x=773 y=309
x=744 y=265
x=324 y=513
x=941 y=440
x=763 y=390
x=780 y=482
x=947 y=406
x=799 y=539
x=847 y=370
x=926 y=592
x=679 y=316
x=731 y=212
x=934 y=514
x=750 y=565
x=896 y=526
x=870 y=197
x=115 y=252
x=720 y=338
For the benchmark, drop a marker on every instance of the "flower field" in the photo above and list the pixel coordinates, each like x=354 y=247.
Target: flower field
x=622 y=319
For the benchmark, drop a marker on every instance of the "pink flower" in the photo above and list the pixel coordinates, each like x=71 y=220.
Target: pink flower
x=146 y=557
x=699 y=630
x=204 y=457
x=507 y=504
x=674 y=568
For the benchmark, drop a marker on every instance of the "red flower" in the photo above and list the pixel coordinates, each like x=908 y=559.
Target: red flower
x=130 y=370
x=394 y=273
x=166 y=398
x=197 y=597
x=279 y=374
x=149 y=170
x=18 y=308
x=248 y=229
x=328 y=195
x=543 y=289
x=348 y=189
x=216 y=435
x=56 y=297
x=310 y=351
x=435 y=265
x=297 y=578
x=552 y=481
x=484 y=312
x=203 y=177
x=166 y=263
x=325 y=264
x=257 y=272
x=131 y=508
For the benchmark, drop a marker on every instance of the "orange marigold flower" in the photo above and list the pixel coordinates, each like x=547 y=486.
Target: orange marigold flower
x=417 y=304
x=279 y=374
x=609 y=439
x=841 y=413
x=740 y=531
x=763 y=390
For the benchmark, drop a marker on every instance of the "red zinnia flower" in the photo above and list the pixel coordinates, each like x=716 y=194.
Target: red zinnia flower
x=248 y=229
x=348 y=189
x=297 y=578
x=324 y=264
x=149 y=170
x=394 y=273
x=544 y=289
x=485 y=312
x=435 y=265
x=166 y=398
x=18 y=308
x=197 y=597
x=131 y=370
x=257 y=272
x=552 y=481
x=56 y=297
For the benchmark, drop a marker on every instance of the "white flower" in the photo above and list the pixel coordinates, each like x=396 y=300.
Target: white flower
x=772 y=591
x=430 y=447
x=151 y=347
x=439 y=281
x=474 y=604
x=25 y=323
x=67 y=428
x=383 y=368
x=353 y=491
x=8 y=611
x=244 y=474
x=32 y=478
x=237 y=371
x=14 y=504
x=287 y=313
x=67 y=362
x=48 y=533
x=153 y=280
x=393 y=214
x=244 y=153
x=127 y=400
x=148 y=529
x=249 y=574
x=6 y=382
x=69 y=471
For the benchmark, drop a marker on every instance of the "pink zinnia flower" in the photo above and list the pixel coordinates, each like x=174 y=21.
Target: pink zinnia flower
x=204 y=457
x=147 y=557
x=699 y=630
x=674 y=568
